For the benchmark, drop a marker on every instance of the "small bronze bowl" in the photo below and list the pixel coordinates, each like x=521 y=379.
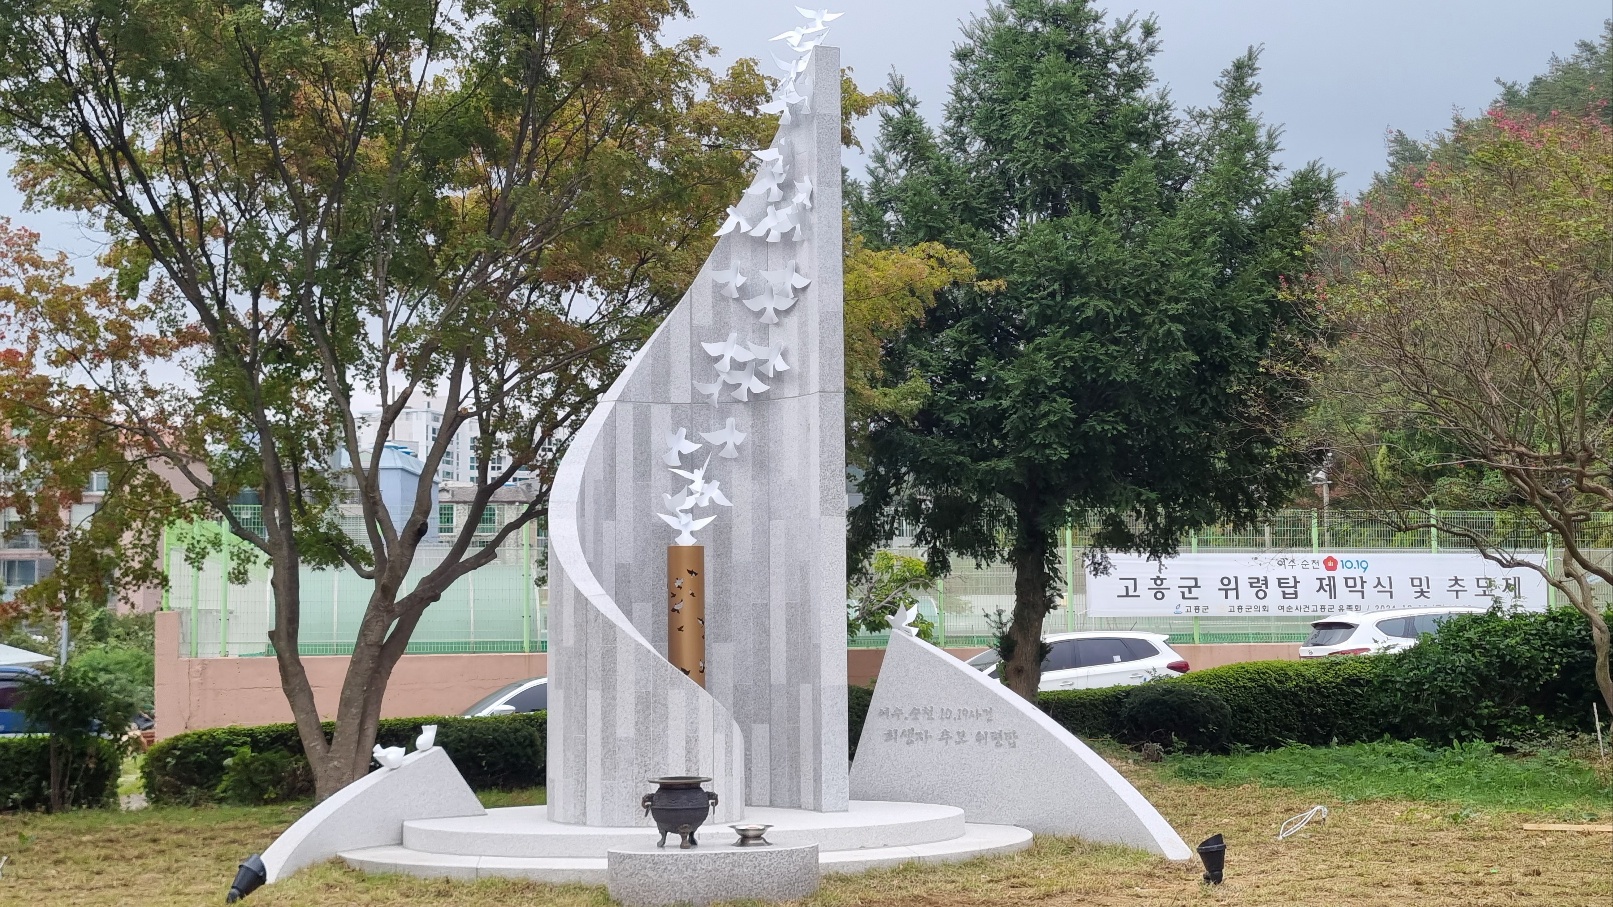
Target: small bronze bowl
x=751 y=835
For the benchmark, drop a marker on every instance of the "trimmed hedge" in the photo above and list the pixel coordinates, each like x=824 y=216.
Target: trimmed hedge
x=497 y=752
x=857 y=700
x=1178 y=716
x=1272 y=702
x=25 y=774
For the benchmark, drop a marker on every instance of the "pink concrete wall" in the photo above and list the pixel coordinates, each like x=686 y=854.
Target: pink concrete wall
x=196 y=693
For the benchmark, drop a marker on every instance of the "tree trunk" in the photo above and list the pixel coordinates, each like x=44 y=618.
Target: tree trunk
x=1022 y=664
x=58 y=775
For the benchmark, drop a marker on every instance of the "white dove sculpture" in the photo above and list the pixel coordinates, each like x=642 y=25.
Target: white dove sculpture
x=769 y=361
x=730 y=279
x=819 y=17
x=769 y=304
x=902 y=620
x=727 y=352
x=786 y=280
x=713 y=389
x=803 y=192
x=798 y=40
x=678 y=444
x=747 y=381
x=427 y=738
x=696 y=477
x=711 y=494
x=728 y=437
x=683 y=500
x=686 y=524
x=390 y=757
x=734 y=221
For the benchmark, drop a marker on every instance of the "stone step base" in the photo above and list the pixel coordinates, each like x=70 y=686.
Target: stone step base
x=526 y=832
x=976 y=840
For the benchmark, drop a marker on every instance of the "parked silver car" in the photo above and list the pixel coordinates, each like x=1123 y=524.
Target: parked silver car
x=1099 y=658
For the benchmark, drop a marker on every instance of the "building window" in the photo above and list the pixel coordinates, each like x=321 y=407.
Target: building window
x=489 y=521
x=445 y=519
x=20 y=573
x=100 y=481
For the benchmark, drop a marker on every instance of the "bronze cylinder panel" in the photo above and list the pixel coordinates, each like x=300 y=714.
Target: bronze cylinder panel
x=686 y=610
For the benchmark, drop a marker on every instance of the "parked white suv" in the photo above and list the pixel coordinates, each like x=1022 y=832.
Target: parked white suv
x=1373 y=632
x=1099 y=658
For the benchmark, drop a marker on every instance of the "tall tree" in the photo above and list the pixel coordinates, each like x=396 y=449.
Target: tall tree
x=1474 y=365
x=313 y=205
x=1128 y=355
x=1578 y=86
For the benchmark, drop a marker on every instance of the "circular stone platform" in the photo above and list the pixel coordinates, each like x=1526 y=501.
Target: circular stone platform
x=521 y=842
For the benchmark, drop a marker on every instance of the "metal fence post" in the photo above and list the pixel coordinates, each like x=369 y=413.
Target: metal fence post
x=1193 y=546
x=526 y=588
x=1433 y=530
x=224 y=591
x=1316 y=534
x=195 y=600
x=940 y=608
x=1069 y=578
x=1551 y=591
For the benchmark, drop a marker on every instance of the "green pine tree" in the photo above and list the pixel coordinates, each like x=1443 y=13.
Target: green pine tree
x=1128 y=354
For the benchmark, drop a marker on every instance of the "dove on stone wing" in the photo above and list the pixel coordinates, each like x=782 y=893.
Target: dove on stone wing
x=427 y=738
x=786 y=280
x=712 y=389
x=748 y=383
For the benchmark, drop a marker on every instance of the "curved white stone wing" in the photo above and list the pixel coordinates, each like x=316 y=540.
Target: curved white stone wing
x=939 y=731
x=769 y=728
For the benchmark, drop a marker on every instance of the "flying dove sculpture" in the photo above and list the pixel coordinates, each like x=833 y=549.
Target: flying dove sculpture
x=747 y=381
x=786 y=280
x=712 y=389
x=902 y=620
x=696 y=477
x=735 y=221
x=711 y=494
x=769 y=361
x=678 y=444
x=729 y=280
x=686 y=525
x=727 y=352
x=683 y=500
x=803 y=193
x=769 y=304
x=728 y=437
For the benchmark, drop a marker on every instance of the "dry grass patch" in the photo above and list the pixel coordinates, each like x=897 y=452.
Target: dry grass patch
x=1369 y=854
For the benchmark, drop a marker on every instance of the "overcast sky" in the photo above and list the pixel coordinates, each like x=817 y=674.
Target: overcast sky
x=1337 y=74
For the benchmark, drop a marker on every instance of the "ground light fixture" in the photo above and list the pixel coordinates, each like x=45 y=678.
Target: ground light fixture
x=248 y=878
x=1213 y=851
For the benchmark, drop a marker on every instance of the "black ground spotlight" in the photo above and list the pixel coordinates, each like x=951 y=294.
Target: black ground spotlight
x=248 y=878
x=1213 y=851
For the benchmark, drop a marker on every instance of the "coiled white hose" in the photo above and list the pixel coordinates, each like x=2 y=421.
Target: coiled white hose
x=1300 y=821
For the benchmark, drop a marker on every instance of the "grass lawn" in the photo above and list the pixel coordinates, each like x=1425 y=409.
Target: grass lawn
x=1407 y=828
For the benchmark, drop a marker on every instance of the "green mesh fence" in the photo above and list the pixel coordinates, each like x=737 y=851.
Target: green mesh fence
x=502 y=607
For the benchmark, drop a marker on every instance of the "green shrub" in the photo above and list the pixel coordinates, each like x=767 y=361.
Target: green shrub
x=497 y=752
x=1272 y=703
x=1177 y=717
x=253 y=779
x=1316 y=702
x=1493 y=676
x=857 y=700
x=1087 y=713
x=25 y=773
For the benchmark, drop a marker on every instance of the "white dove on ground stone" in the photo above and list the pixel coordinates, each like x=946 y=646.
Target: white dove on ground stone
x=730 y=279
x=389 y=756
x=728 y=437
x=678 y=444
x=427 y=738
x=727 y=352
x=686 y=525
x=903 y=620
x=769 y=361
